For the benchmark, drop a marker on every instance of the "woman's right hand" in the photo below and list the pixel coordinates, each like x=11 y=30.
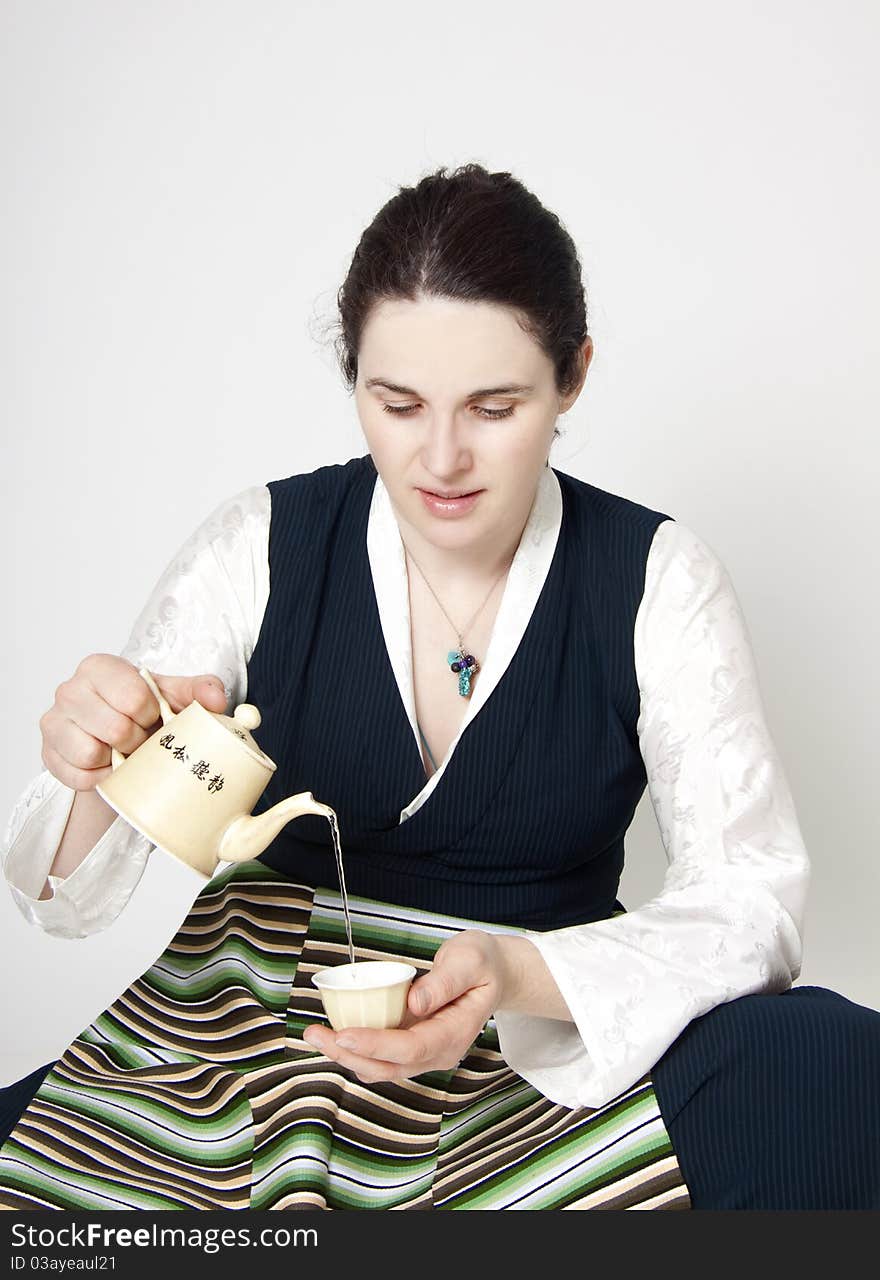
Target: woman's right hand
x=105 y=704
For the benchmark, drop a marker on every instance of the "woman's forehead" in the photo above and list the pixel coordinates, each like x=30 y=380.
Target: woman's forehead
x=480 y=344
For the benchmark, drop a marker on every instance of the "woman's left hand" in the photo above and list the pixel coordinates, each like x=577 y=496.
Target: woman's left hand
x=461 y=992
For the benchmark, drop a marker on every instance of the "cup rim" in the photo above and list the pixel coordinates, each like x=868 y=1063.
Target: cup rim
x=385 y=973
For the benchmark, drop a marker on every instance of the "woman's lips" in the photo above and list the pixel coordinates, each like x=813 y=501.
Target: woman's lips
x=447 y=507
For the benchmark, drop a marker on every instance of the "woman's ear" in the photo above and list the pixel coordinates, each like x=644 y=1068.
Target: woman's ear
x=584 y=358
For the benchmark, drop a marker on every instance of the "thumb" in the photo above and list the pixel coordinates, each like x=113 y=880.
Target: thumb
x=210 y=692
x=445 y=982
x=180 y=691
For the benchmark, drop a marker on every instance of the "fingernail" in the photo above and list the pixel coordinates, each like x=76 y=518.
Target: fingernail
x=346 y=1042
x=310 y=1038
x=422 y=1001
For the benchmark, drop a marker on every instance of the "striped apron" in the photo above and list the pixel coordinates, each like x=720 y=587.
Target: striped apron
x=196 y=1090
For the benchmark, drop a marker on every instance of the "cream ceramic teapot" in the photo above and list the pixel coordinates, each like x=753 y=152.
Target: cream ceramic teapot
x=191 y=787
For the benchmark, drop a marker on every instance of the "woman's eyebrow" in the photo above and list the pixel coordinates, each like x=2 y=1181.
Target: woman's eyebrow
x=512 y=388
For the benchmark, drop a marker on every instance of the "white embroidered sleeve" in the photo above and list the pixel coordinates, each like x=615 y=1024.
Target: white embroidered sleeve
x=728 y=920
x=203 y=616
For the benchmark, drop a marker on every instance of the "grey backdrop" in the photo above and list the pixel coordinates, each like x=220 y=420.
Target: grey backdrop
x=183 y=186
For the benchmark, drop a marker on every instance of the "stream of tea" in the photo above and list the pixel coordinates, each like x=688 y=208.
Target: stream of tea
x=337 y=848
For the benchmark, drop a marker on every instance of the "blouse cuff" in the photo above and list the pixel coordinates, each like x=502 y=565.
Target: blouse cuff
x=550 y=1055
x=634 y=982
x=92 y=896
x=553 y=1055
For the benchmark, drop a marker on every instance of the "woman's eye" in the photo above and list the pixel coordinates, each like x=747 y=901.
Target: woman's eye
x=486 y=413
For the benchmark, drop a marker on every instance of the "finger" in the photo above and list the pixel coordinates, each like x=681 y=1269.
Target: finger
x=367 y=1069
x=454 y=973
x=210 y=692
x=395 y=1046
x=117 y=684
x=410 y=1019
x=443 y=1038
x=69 y=776
x=86 y=707
x=78 y=749
x=180 y=691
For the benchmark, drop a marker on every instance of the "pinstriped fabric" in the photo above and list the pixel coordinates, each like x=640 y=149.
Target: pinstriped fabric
x=195 y=1089
x=799 y=1070
x=527 y=824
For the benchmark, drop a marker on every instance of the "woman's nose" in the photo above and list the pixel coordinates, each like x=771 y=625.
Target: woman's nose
x=445 y=450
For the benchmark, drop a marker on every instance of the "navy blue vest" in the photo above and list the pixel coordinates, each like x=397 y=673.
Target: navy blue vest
x=526 y=825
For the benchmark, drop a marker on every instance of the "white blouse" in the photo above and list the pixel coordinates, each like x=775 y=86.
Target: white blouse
x=728 y=920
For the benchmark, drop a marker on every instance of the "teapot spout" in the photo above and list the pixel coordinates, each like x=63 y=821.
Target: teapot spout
x=248 y=836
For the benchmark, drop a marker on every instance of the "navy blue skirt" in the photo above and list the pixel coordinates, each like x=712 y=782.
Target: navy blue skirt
x=771 y=1102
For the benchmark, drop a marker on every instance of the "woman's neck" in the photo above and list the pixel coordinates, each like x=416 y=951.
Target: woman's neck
x=464 y=568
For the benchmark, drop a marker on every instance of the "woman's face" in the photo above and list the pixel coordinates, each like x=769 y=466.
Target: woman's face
x=455 y=399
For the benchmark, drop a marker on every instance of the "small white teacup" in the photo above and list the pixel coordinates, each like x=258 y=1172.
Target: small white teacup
x=369 y=993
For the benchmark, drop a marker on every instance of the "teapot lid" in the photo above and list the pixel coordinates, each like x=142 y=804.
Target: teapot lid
x=243 y=719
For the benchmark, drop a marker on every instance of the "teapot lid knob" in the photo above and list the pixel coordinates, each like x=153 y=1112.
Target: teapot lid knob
x=247 y=715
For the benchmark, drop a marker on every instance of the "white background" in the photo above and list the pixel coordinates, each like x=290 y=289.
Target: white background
x=183 y=187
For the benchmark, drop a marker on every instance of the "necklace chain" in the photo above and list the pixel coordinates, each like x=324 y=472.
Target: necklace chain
x=459 y=634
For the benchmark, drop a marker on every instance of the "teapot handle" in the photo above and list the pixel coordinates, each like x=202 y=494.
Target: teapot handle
x=116 y=757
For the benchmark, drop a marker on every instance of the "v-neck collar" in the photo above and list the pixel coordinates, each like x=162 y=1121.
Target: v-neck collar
x=525 y=581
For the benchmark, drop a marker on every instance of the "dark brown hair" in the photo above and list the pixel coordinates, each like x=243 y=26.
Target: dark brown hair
x=479 y=237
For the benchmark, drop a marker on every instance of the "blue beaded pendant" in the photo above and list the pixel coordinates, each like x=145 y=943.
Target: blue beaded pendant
x=464 y=665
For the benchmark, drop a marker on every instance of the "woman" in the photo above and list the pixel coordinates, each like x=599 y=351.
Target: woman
x=479 y=663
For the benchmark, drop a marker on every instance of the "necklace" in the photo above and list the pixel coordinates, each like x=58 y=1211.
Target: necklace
x=462 y=663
